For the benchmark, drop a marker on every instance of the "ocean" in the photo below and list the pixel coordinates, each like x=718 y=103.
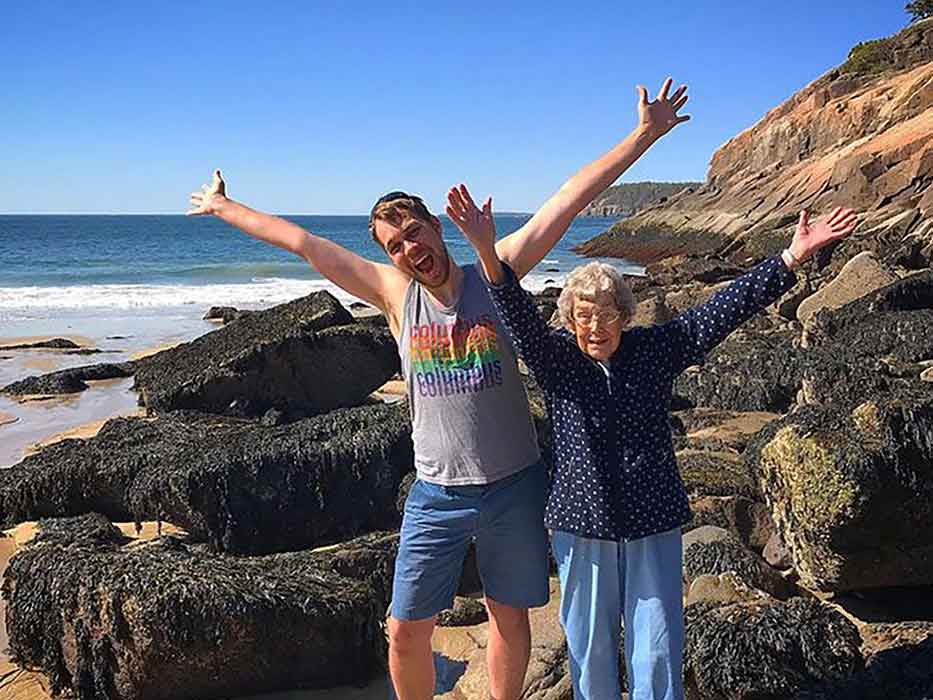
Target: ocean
x=67 y=267
x=130 y=285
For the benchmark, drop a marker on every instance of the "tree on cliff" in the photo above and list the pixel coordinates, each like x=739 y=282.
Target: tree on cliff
x=920 y=9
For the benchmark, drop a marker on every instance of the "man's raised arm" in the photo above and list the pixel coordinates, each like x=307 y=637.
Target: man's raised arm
x=527 y=247
x=373 y=282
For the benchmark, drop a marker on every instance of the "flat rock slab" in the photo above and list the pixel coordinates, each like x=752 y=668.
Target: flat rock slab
x=169 y=620
x=243 y=486
x=302 y=358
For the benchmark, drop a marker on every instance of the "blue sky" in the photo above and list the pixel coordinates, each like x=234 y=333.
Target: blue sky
x=319 y=108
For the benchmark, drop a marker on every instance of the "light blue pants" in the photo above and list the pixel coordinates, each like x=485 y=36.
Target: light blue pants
x=604 y=582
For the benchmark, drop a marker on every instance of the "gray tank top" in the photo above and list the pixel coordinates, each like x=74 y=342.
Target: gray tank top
x=469 y=411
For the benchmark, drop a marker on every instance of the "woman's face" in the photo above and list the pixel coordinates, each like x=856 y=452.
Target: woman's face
x=597 y=325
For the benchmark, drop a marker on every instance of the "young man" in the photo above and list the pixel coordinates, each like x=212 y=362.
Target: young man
x=465 y=393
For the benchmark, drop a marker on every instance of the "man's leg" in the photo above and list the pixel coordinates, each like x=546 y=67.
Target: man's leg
x=512 y=556
x=654 y=616
x=590 y=612
x=411 y=661
x=436 y=530
x=507 y=650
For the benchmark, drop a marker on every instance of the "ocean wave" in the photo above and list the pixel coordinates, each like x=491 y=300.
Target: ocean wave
x=269 y=291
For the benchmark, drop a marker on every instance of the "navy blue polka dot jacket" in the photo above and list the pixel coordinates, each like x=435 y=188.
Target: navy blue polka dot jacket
x=615 y=475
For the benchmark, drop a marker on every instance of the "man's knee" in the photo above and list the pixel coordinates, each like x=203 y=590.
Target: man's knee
x=508 y=619
x=409 y=636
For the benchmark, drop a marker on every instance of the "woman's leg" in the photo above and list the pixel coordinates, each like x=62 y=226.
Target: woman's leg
x=654 y=616
x=590 y=613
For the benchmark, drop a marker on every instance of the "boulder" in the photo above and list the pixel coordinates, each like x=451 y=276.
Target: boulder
x=224 y=314
x=723 y=588
x=746 y=372
x=761 y=649
x=69 y=381
x=51 y=343
x=303 y=357
x=728 y=554
x=170 y=620
x=465 y=612
x=243 y=486
x=748 y=520
x=851 y=490
x=717 y=473
x=860 y=276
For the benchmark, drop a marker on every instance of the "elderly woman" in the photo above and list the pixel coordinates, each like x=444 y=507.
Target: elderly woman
x=617 y=501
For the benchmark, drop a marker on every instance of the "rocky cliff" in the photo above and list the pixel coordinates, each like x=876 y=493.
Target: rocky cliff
x=861 y=136
x=625 y=199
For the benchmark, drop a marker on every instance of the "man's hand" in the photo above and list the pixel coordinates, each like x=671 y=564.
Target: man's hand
x=210 y=198
x=811 y=236
x=479 y=228
x=660 y=116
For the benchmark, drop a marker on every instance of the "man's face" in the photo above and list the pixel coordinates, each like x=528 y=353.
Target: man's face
x=415 y=247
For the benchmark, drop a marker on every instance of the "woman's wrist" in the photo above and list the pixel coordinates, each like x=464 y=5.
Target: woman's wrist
x=789 y=259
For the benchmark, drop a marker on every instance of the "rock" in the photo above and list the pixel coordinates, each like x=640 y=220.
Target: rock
x=758 y=649
x=169 y=619
x=787 y=306
x=728 y=554
x=723 y=588
x=746 y=372
x=621 y=200
x=651 y=312
x=860 y=276
x=465 y=612
x=872 y=346
x=69 y=381
x=52 y=343
x=709 y=473
x=860 y=138
x=927 y=375
x=904 y=672
x=776 y=552
x=224 y=314
x=716 y=429
x=303 y=357
x=748 y=520
x=850 y=491
x=244 y=487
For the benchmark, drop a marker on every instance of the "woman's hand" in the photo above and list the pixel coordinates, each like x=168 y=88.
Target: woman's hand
x=811 y=236
x=478 y=227
x=210 y=198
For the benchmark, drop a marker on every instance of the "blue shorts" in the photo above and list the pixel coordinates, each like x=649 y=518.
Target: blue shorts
x=506 y=520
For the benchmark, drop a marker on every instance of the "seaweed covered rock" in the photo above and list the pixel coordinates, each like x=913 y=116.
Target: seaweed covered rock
x=746 y=372
x=716 y=473
x=851 y=491
x=303 y=357
x=728 y=554
x=860 y=276
x=170 y=620
x=766 y=649
x=69 y=381
x=874 y=345
x=905 y=673
x=465 y=612
x=243 y=486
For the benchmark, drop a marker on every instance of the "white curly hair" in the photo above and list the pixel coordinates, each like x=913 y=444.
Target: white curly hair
x=587 y=282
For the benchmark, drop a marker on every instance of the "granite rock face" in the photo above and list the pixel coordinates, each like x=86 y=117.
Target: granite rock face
x=302 y=358
x=856 y=137
x=170 y=620
x=243 y=486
